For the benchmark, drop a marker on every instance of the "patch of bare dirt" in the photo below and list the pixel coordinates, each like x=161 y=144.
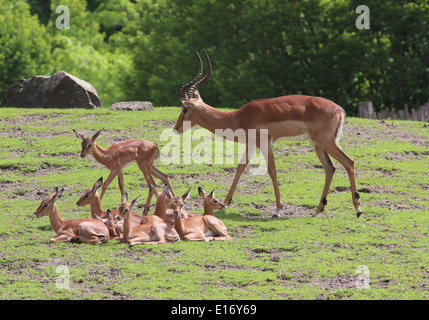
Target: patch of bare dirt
x=386 y=131
x=339 y=282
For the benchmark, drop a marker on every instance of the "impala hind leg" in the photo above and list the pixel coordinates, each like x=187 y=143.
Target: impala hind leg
x=218 y=228
x=163 y=177
x=121 y=181
x=329 y=168
x=269 y=158
x=349 y=164
x=112 y=175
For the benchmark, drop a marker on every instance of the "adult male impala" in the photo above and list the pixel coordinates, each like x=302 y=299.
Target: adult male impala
x=119 y=155
x=293 y=117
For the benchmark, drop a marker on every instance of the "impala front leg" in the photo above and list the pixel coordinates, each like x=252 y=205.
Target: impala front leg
x=121 y=181
x=60 y=238
x=248 y=154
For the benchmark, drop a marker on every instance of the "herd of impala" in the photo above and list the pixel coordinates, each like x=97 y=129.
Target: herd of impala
x=293 y=117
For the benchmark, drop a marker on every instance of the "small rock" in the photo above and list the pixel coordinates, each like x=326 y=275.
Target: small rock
x=132 y=106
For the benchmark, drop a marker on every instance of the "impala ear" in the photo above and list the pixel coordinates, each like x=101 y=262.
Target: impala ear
x=58 y=195
x=197 y=94
x=109 y=214
x=98 y=184
x=187 y=104
x=186 y=194
x=168 y=193
x=79 y=135
x=211 y=195
x=201 y=192
x=95 y=136
x=134 y=202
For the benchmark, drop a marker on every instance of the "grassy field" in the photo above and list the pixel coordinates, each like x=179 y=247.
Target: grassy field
x=295 y=257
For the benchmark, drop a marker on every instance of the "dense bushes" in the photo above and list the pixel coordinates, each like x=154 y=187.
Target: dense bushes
x=259 y=48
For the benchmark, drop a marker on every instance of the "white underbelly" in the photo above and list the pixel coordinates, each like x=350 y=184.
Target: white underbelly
x=300 y=137
x=210 y=233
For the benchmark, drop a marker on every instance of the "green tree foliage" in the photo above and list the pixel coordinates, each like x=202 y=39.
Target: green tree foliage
x=145 y=49
x=270 y=48
x=23 y=48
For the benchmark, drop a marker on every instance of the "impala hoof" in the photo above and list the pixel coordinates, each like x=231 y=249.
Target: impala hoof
x=358 y=212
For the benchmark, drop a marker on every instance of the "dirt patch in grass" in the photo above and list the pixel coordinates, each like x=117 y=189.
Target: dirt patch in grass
x=339 y=282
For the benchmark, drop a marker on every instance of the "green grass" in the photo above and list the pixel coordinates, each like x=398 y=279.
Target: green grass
x=294 y=257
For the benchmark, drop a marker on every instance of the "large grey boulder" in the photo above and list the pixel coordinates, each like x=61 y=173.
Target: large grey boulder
x=61 y=90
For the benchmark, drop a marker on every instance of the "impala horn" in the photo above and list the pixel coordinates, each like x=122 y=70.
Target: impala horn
x=189 y=88
x=183 y=92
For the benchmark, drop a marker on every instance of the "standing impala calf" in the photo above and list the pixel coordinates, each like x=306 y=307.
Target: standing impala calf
x=119 y=155
x=294 y=117
x=92 y=231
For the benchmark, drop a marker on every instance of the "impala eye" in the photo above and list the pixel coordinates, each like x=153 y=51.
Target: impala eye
x=86 y=196
x=89 y=145
x=171 y=205
x=215 y=201
x=181 y=205
x=45 y=205
x=184 y=110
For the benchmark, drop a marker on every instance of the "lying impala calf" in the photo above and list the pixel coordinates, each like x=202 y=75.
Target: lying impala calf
x=134 y=217
x=153 y=231
x=92 y=198
x=162 y=207
x=110 y=223
x=119 y=155
x=211 y=203
x=87 y=230
x=198 y=227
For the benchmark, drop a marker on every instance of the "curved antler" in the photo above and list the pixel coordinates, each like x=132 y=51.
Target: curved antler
x=206 y=77
x=183 y=94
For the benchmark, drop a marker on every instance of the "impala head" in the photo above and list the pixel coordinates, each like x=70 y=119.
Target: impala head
x=125 y=208
x=210 y=200
x=160 y=196
x=90 y=193
x=190 y=97
x=110 y=224
x=176 y=203
x=87 y=143
x=47 y=207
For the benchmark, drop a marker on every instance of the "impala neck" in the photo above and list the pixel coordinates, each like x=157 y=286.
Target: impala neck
x=161 y=209
x=96 y=209
x=212 y=119
x=56 y=221
x=178 y=225
x=208 y=210
x=127 y=225
x=99 y=154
